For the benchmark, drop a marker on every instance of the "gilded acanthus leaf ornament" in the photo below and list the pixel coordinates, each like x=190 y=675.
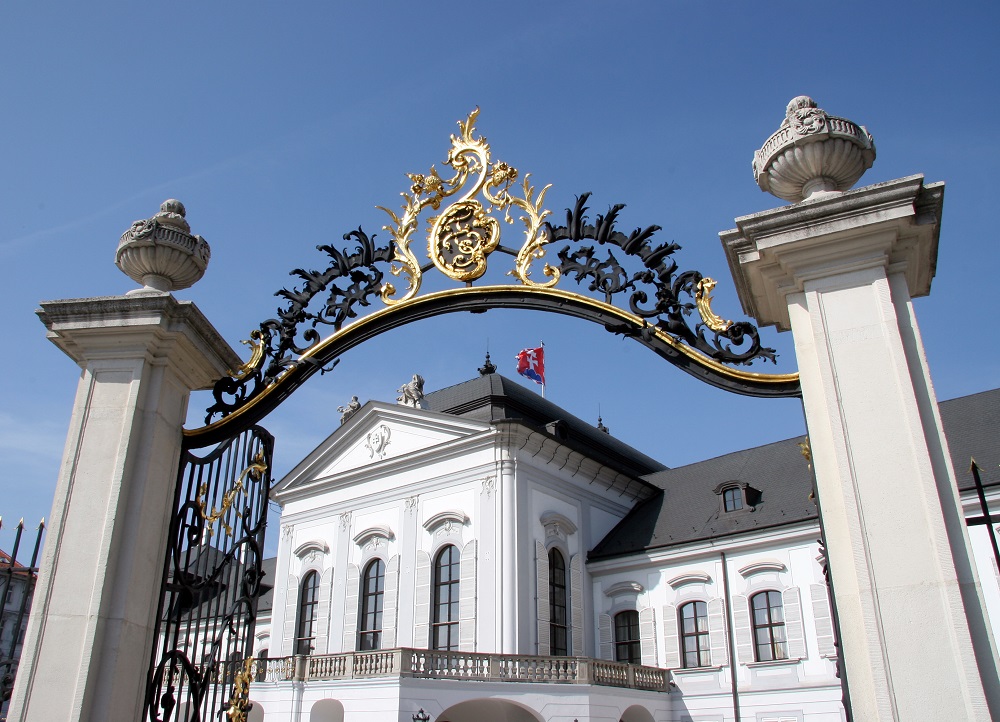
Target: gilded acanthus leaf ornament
x=703 y=299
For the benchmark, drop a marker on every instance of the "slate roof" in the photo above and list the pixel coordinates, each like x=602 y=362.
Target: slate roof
x=204 y=561
x=266 y=601
x=496 y=398
x=972 y=425
x=688 y=510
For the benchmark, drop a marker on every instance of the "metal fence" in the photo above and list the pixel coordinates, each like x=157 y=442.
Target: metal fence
x=17 y=585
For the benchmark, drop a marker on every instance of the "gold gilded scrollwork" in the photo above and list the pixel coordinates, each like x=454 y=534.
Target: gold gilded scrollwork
x=535 y=237
x=461 y=238
x=256 y=469
x=256 y=342
x=703 y=299
x=239 y=703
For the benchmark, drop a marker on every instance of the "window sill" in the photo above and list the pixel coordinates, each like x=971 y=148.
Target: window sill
x=775 y=663
x=694 y=670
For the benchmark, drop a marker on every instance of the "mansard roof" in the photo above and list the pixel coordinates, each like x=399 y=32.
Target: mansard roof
x=689 y=508
x=495 y=399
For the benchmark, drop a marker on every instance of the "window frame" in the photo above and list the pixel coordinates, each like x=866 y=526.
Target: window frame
x=371 y=606
x=558 y=630
x=449 y=626
x=699 y=639
x=770 y=628
x=733 y=494
x=629 y=649
x=307 y=613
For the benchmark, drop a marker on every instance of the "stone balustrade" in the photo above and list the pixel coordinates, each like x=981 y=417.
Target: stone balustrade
x=431 y=664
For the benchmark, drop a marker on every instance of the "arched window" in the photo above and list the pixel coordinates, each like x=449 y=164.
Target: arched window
x=768 y=626
x=308 y=604
x=372 y=599
x=695 y=647
x=627 y=648
x=444 y=625
x=262 y=665
x=558 y=639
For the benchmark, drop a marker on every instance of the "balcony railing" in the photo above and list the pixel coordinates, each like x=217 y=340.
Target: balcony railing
x=430 y=664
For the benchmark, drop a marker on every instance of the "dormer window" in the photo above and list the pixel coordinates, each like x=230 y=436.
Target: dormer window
x=737 y=496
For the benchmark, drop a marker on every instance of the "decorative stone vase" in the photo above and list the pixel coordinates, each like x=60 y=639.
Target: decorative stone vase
x=161 y=253
x=812 y=154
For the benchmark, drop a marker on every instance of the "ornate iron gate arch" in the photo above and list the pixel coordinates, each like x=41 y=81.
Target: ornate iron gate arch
x=665 y=309
x=661 y=307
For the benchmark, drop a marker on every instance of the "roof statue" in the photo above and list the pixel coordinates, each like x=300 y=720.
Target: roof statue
x=346 y=412
x=412 y=393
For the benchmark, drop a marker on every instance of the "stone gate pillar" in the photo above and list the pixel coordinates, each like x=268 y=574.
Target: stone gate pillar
x=839 y=269
x=92 y=623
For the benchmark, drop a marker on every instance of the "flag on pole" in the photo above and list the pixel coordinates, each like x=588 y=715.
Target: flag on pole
x=531 y=364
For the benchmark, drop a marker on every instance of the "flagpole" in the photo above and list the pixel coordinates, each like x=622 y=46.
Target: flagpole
x=542 y=345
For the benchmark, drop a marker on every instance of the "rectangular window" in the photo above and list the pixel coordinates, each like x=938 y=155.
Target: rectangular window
x=627 y=647
x=770 y=642
x=558 y=636
x=695 y=645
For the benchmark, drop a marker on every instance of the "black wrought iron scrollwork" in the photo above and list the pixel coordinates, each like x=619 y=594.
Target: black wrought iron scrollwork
x=739 y=343
x=657 y=294
x=350 y=280
x=211 y=582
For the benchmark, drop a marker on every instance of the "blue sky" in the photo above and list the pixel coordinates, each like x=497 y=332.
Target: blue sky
x=282 y=125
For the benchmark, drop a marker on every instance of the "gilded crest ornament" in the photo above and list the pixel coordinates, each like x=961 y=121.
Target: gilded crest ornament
x=461 y=238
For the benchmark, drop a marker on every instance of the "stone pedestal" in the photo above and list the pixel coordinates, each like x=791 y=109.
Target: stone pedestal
x=92 y=624
x=840 y=272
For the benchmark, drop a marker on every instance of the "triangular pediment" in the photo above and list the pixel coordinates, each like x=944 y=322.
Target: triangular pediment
x=378 y=435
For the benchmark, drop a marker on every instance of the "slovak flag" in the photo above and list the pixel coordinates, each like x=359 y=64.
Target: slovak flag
x=531 y=364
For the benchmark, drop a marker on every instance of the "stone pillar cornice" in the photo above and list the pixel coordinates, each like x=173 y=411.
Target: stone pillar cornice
x=774 y=253
x=88 y=329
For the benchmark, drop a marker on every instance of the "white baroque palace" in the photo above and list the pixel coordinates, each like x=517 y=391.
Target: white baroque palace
x=492 y=558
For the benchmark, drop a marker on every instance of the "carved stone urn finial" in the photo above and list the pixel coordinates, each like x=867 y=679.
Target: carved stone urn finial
x=161 y=253
x=812 y=154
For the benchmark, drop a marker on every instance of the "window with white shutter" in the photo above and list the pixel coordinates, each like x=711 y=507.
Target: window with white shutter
x=323 y=613
x=671 y=651
x=576 y=603
x=647 y=636
x=717 y=632
x=542 y=597
x=605 y=634
x=391 y=602
x=422 y=601
x=824 y=620
x=468 y=598
x=291 y=610
x=793 y=623
x=741 y=629
x=351 y=608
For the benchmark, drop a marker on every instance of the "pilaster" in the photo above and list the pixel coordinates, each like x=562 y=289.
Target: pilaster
x=93 y=624
x=840 y=271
